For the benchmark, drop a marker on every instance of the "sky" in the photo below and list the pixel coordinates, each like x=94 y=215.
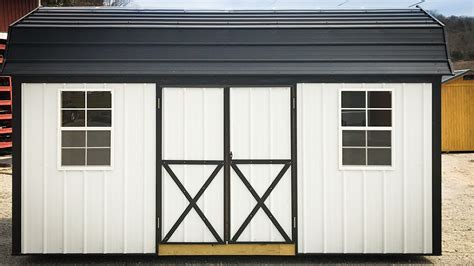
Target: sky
x=445 y=7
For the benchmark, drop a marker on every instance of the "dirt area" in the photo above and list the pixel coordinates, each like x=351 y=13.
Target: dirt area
x=458 y=209
x=458 y=233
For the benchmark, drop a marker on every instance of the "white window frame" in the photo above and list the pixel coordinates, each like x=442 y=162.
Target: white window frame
x=367 y=128
x=85 y=88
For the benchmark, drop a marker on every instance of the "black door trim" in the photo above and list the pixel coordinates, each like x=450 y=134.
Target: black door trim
x=294 y=172
x=227 y=164
x=227 y=159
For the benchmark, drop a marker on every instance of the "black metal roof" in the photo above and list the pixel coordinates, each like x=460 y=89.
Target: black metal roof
x=97 y=41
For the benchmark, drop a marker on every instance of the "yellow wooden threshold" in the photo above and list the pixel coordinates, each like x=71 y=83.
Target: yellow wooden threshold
x=230 y=249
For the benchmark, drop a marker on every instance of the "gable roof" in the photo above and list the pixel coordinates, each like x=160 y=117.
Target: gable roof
x=457 y=73
x=86 y=41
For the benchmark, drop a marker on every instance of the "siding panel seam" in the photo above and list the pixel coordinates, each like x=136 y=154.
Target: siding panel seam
x=45 y=187
x=323 y=170
x=144 y=147
x=404 y=180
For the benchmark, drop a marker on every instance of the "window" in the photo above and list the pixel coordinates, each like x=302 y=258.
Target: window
x=366 y=128
x=85 y=128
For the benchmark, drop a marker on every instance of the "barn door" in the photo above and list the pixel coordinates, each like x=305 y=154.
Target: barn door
x=192 y=199
x=260 y=176
x=226 y=165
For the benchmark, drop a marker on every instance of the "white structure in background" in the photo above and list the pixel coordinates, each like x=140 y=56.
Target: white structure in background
x=120 y=3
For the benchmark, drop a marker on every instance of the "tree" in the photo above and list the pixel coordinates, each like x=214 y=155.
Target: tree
x=60 y=3
x=460 y=33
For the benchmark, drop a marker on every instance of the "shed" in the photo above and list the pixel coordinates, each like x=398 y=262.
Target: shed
x=12 y=10
x=457 y=112
x=174 y=132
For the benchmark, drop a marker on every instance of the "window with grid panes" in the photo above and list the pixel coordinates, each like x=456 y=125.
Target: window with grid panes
x=86 y=128
x=366 y=127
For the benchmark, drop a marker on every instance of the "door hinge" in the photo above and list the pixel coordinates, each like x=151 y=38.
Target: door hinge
x=294 y=103
x=158 y=103
x=294 y=222
x=158 y=222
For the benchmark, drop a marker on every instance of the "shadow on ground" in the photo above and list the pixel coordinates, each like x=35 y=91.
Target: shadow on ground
x=5 y=245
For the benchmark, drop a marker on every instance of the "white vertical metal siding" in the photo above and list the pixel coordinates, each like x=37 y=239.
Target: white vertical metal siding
x=364 y=211
x=260 y=128
x=193 y=128
x=110 y=211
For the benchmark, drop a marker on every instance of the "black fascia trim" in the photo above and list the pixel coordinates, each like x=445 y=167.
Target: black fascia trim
x=229 y=80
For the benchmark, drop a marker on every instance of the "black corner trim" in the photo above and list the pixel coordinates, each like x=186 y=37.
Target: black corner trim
x=16 y=169
x=436 y=164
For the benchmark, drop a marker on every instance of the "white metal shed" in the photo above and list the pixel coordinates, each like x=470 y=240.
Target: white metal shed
x=226 y=133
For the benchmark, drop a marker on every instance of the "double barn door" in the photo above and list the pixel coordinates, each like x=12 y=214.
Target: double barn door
x=226 y=165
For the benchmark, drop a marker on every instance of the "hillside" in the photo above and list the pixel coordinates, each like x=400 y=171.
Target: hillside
x=460 y=39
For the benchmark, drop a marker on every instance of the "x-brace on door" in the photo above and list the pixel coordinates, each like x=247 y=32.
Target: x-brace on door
x=261 y=205
x=227 y=165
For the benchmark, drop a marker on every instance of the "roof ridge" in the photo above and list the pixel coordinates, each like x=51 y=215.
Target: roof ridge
x=342 y=10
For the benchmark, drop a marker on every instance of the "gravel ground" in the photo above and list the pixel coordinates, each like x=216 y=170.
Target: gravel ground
x=458 y=234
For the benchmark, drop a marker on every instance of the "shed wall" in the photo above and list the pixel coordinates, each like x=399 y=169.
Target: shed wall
x=89 y=211
x=364 y=211
x=457 y=114
x=12 y=10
